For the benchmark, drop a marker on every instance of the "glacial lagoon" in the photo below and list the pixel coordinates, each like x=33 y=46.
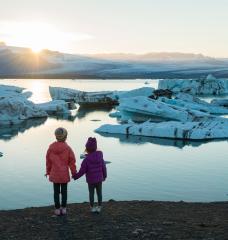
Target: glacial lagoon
x=140 y=168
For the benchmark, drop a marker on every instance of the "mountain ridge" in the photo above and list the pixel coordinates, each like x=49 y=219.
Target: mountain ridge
x=23 y=62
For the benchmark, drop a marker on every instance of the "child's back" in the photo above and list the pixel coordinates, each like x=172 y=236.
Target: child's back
x=94 y=167
x=60 y=158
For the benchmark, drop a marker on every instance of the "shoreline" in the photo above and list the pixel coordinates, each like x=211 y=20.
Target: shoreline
x=119 y=220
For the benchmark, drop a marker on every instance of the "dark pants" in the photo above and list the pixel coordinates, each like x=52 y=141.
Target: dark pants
x=98 y=187
x=60 y=188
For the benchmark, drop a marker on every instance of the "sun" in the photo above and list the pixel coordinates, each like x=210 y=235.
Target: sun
x=36 y=49
x=38 y=36
x=33 y=35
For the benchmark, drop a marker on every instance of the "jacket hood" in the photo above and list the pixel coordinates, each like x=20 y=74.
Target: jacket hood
x=91 y=144
x=58 y=147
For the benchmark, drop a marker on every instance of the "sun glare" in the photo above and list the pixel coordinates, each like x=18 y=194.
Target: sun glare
x=36 y=49
x=37 y=36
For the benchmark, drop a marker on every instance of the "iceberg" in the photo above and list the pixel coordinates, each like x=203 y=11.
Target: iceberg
x=116 y=114
x=82 y=97
x=160 y=110
x=16 y=109
x=101 y=98
x=203 y=130
x=172 y=142
x=54 y=107
x=208 y=86
x=220 y=102
x=192 y=102
x=10 y=88
x=143 y=91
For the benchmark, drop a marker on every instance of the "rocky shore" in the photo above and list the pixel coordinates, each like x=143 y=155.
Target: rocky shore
x=119 y=220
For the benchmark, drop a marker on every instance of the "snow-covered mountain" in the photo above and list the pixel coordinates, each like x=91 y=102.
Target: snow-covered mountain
x=23 y=62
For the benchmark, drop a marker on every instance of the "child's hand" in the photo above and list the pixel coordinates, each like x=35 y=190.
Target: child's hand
x=45 y=174
x=74 y=177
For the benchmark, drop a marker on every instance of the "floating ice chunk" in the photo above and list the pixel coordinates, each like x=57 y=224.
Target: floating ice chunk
x=192 y=102
x=116 y=114
x=81 y=97
x=220 y=102
x=27 y=94
x=82 y=155
x=210 y=85
x=210 y=77
x=101 y=98
x=107 y=162
x=10 y=88
x=153 y=108
x=16 y=109
x=54 y=107
x=140 y=140
x=210 y=129
x=144 y=91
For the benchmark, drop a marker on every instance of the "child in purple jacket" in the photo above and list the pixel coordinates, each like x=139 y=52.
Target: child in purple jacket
x=94 y=167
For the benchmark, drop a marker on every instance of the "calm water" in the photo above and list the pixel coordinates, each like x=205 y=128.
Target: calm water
x=140 y=168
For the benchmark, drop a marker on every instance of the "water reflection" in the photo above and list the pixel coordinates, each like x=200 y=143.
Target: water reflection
x=10 y=132
x=68 y=117
x=83 y=112
x=158 y=141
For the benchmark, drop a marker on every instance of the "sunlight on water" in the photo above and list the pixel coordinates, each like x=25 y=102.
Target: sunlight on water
x=141 y=167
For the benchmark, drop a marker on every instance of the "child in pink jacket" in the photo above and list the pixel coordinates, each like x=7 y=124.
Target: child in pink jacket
x=59 y=159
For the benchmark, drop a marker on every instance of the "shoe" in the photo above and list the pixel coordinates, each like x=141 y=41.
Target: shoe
x=93 y=209
x=98 y=209
x=57 y=212
x=63 y=211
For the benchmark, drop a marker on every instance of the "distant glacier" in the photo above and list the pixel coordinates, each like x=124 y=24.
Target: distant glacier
x=18 y=62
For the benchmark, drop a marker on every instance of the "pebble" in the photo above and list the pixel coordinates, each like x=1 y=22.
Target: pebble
x=137 y=231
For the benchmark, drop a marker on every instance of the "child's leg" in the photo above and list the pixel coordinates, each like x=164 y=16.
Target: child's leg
x=64 y=194
x=56 y=187
x=99 y=193
x=91 y=194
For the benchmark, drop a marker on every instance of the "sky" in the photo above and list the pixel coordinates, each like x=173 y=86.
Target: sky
x=114 y=26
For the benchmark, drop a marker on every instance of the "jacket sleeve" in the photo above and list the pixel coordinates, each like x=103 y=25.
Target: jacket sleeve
x=82 y=170
x=48 y=162
x=72 y=163
x=104 y=169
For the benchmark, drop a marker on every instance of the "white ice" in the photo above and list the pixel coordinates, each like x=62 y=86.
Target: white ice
x=155 y=108
x=209 y=85
x=210 y=129
x=102 y=97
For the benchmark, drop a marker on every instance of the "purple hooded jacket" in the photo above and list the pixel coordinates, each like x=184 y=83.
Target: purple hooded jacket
x=94 y=167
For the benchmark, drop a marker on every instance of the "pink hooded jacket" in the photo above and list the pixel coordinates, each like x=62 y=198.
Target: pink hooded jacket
x=59 y=159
